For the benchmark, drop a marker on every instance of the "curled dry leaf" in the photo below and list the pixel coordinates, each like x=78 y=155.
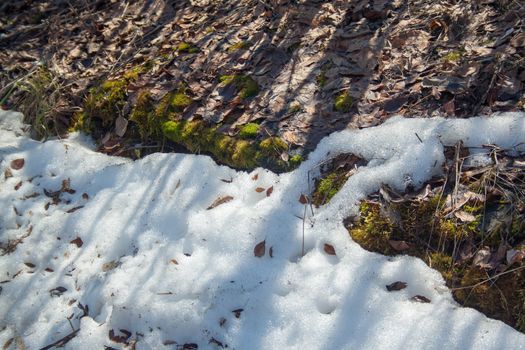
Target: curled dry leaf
x=420 y=299
x=121 y=125
x=464 y=216
x=259 y=189
x=482 y=257
x=269 y=191
x=396 y=286
x=219 y=201
x=173 y=261
x=28 y=264
x=329 y=249
x=77 y=241
x=255 y=177
x=260 y=249
x=399 y=245
x=58 y=291
x=122 y=339
x=17 y=164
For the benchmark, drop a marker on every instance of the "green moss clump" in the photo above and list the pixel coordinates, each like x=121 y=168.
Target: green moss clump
x=343 y=102
x=144 y=116
x=106 y=101
x=453 y=56
x=186 y=48
x=244 y=84
x=321 y=79
x=295 y=160
x=373 y=230
x=273 y=145
x=174 y=102
x=249 y=130
x=80 y=122
x=328 y=186
x=241 y=45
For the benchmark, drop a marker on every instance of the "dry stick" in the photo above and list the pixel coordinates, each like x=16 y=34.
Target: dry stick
x=61 y=342
x=304 y=223
x=490 y=278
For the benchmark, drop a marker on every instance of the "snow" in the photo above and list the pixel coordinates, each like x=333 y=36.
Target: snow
x=156 y=262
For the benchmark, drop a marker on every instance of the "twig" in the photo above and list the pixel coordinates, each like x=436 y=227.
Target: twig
x=61 y=342
x=489 y=279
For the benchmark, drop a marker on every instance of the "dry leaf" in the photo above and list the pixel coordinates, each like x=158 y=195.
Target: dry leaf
x=464 y=216
x=270 y=252
x=17 y=164
x=514 y=255
x=260 y=249
x=237 y=312
x=28 y=264
x=482 y=258
x=8 y=173
x=303 y=199
x=77 y=241
x=219 y=201
x=399 y=245
x=396 y=286
x=255 y=177
x=269 y=191
x=450 y=107
x=420 y=299
x=74 y=209
x=121 y=125
x=18 y=185
x=259 y=189
x=122 y=339
x=174 y=261
x=329 y=249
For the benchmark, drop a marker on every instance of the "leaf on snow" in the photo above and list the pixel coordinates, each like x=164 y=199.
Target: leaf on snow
x=237 y=312
x=122 y=339
x=77 y=241
x=396 y=286
x=219 y=201
x=303 y=199
x=329 y=249
x=269 y=191
x=259 y=189
x=420 y=299
x=58 y=291
x=17 y=164
x=260 y=249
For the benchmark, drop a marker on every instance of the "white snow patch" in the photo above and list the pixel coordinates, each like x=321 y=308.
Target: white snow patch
x=136 y=219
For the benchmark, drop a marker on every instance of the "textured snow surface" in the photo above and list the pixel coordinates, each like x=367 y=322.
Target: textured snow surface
x=140 y=217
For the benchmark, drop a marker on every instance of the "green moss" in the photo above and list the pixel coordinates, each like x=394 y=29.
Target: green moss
x=321 y=79
x=244 y=84
x=452 y=56
x=295 y=160
x=327 y=187
x=144 y=116
x=241 y=45
x=186 y=48
x=273 y=145
x=106 y=101
x=249 y=130
x=343 y=102
x=373 y=230
x=80 y=122
x=196 y=136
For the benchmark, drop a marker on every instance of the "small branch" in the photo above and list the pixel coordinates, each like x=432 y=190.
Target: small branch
x=61 y=342
x=489 y=279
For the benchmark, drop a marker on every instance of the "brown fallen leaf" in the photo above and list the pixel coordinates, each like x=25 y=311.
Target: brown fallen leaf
x=18 y=185
x=8 y=173
x=237 y=312
x=269 y=191
x=17 y=164
x=303 y=199
x=28 y=264
x=464 y=216
x=122 y=339
x=396 y=286
x=329 y=249
x=255 y=177
x=121 y=125
x=174 y=261
x=420 y=299
x=85 y=195
x=48 y=269
x=58 y=291
x=399 y=245
x=260 y=249
x=259 y=189
x=219 y=201
x=270 y=252
x=77 y=241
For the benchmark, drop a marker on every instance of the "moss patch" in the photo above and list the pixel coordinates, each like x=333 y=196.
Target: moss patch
x=454 y=240
x=244 y=84
x=343 y=102
x=186 y=48
x=241 y=45
x=249 y=130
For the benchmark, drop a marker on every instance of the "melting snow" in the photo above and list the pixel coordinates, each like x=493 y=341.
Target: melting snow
x=149 y=258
